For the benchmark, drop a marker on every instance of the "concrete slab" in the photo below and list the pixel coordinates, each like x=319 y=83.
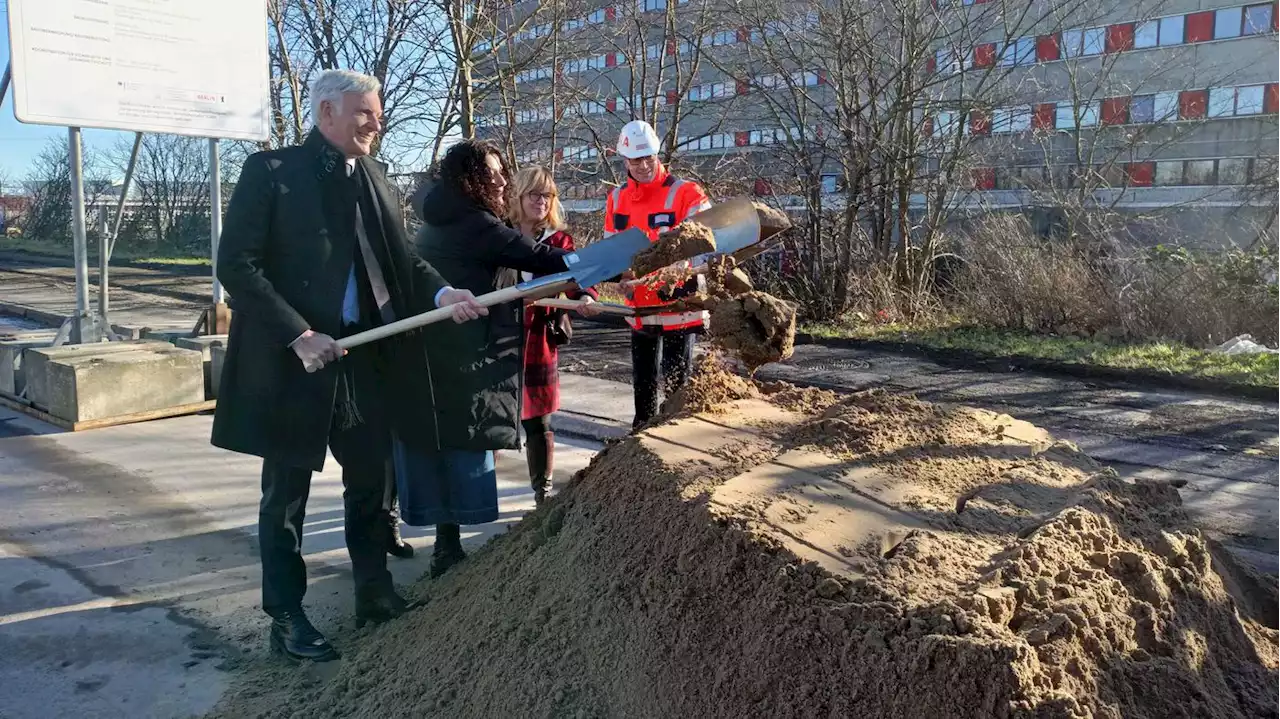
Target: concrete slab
x=36 y=361
x=204 y=345
x=169 y=335
x=88 y=387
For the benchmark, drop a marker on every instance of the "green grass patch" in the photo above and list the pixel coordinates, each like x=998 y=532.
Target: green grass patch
x=35 y=246
x=1171 y=358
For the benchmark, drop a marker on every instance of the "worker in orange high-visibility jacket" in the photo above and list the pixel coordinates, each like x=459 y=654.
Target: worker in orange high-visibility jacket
x=655 y=201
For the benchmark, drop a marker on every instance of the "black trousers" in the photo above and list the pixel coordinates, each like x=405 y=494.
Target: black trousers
x=660 y=361
x=364 y=452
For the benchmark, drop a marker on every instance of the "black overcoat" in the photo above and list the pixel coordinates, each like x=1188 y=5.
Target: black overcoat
x=285 y=265
x=477 y=364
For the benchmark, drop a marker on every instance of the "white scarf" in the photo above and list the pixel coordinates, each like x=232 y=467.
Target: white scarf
x=547 y=233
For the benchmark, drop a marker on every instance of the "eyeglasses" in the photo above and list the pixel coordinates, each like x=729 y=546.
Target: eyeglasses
x=548 y=196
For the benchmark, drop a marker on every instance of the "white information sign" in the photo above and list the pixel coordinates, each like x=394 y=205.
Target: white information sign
x=183 y=67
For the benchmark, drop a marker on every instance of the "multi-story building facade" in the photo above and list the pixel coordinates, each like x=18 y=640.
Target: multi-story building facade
x=1129 y=105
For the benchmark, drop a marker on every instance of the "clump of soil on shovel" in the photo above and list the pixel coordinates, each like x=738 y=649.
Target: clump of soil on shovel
x=756 y=327
x=686 y=241
x=739 y=565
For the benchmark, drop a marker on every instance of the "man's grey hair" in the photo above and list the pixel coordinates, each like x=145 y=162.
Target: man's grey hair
x=331 y=85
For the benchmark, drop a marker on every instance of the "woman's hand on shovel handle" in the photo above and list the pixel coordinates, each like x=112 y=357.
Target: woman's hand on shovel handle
x=316 y=350
x=465 y=307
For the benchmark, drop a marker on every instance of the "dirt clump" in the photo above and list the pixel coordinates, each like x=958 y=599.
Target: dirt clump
x=685 y=242
x=772 y=221
x=717 y=565
x=756 y=327
x=725 y=278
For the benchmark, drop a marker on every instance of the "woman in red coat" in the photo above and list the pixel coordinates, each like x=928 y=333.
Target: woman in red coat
x=535 y=210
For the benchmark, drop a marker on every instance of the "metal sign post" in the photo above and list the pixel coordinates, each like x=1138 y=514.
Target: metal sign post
x=83 y=327
x=217 y=318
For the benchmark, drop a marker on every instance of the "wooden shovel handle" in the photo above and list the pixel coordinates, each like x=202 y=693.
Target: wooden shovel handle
x=605 y=307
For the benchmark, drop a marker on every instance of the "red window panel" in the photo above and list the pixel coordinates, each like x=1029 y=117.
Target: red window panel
x=1192 y=103
x=1275 y=17
x=1120 y=37
x=742 y=87
x=985 y=55
x=1048 y=48
x=610 y=13
x=981 y=2
x=742 y=139
x=672 y=97
x=1044 y=115
x=612 y=104
x=979 y=123
x=932 y=65
x=1115 y=111
x=744 y=34
x=671 y=47
x=984 y=178
x=763 y=188
x=926 y=128
x=1141 y=173
x=1200 y=26
x=611 y=60
x=1271 y=100
x=822 y=77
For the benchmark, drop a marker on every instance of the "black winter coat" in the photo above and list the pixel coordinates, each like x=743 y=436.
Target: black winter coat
x=477 y=365
x=284 y=259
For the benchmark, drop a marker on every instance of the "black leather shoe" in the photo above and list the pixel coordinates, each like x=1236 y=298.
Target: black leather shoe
x=293 y=636
x=378 y=606
x=397 y=547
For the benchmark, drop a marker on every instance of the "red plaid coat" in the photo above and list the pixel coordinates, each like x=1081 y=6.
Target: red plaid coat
x=541 y=374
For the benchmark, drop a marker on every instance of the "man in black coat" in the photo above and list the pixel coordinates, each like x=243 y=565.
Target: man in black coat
x=313 y=248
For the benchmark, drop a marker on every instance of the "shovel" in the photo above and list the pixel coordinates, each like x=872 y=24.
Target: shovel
x=588 y=266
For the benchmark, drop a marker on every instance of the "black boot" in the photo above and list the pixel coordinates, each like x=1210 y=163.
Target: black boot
x=293 y=636
x=378 y=605
x=541 y=456
x=448 y=549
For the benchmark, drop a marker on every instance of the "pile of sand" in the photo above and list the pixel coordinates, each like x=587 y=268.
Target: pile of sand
x=803 y=555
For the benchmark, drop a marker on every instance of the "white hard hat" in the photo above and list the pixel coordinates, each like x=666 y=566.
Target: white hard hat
x=638 y=139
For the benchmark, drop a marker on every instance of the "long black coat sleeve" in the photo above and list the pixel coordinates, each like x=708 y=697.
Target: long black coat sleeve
x=242 y=251
x=502 y=246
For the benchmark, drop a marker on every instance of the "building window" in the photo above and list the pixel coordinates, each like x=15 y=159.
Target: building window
x=1080 y=43
x=946 y=125
x=1258 y=19
x=596 y=17
x=1222 y=102
x=651 y=5
x=1019 y=52
x=948 y=61
x=1162 y=32
x=572 y=24
x=724 y=37
x=1066 y=115
x=1166 y=106
x=1169 y=173
x=1011 y=119
x=1199 y=172
x=1227 y=23
x=1249 y=99
x=1142 y=109
x=1233 y=172
x=829 y=184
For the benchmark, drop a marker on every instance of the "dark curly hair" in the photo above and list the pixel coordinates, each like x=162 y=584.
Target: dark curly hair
x=465 y=167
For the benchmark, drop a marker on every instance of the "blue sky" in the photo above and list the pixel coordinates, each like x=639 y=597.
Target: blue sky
x=20 y=143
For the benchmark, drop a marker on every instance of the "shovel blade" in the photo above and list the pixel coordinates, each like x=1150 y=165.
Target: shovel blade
x=606 y=258
x=734 y=223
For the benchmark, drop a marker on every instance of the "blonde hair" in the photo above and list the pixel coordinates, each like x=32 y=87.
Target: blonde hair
x=535 y=179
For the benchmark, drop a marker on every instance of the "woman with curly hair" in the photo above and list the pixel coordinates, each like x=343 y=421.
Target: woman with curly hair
x=534 y=208
x=476 y=367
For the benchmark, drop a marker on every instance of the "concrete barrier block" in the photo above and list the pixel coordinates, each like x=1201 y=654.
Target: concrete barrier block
x=204 y=345
x=171 y=335
x=12 y=376
x=35 y=362
x=143 y=378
